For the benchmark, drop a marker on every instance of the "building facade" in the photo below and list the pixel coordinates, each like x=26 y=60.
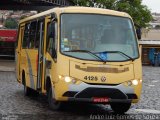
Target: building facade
x=150 y=47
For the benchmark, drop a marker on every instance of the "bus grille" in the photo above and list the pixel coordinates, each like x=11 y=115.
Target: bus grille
x=101 y=92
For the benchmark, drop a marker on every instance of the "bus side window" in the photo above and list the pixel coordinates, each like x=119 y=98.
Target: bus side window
x=32 y=35
x=26 y=36
x=51 y=46
x=37 y=38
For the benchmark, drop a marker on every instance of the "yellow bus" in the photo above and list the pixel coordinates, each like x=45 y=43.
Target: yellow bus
x=80 y=54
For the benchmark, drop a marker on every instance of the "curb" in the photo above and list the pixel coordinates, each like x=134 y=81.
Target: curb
x=6 y=69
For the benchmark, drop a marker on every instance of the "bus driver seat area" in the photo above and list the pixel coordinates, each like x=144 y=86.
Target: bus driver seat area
x=107 y=36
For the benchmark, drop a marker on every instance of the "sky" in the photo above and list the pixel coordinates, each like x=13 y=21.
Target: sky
x=153 y=5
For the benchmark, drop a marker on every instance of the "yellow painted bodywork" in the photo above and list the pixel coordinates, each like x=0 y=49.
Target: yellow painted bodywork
x=65 y=66
x=29 y=54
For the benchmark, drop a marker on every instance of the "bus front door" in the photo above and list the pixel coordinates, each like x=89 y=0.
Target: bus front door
x=40 y=60
x=18 y=52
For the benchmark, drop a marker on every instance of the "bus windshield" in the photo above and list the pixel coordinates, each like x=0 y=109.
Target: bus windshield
x=110 y=38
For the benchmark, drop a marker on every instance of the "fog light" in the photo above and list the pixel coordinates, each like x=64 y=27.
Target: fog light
x=74 y=81
x=129 y=83
x=67 y=79
x=135 y=82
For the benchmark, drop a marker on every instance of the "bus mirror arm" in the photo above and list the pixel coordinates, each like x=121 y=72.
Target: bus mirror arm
x=54 y=20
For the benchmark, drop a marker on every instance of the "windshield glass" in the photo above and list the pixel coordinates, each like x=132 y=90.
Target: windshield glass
x=111 y=38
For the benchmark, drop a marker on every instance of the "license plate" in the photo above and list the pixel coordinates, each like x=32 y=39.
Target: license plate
x=99 y=100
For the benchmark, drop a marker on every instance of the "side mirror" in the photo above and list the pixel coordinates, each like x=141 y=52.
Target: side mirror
x=54 y=53
x=139 y=34
x=52 y=35
x=51 y=30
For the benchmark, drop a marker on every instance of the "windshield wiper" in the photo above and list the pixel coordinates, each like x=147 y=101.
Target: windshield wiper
x=130 y=58
x=87 y=51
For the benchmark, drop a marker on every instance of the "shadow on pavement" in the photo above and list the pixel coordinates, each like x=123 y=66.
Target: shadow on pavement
x=79 y=111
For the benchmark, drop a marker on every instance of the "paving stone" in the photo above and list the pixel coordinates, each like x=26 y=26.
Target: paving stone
x=13 y=102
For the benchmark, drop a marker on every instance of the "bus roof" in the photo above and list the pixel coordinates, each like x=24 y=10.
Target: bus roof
x=77 y=9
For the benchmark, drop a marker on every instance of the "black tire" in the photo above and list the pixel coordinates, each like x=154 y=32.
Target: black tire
x=53 y=104
x=28 y=91
x=120 y=108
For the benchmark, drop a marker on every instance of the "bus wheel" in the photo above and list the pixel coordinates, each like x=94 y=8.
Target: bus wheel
x=27 y=91
x=53 y=104
x=120 y=108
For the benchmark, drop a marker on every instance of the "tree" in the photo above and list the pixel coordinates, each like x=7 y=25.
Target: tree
x=140 y=13
x=11 y=23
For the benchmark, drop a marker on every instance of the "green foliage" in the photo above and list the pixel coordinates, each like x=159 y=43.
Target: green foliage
x=140 y=13
x=11 y=23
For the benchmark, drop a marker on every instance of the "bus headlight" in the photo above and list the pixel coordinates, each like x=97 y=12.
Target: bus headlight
x=135 y=82
x=132 y=82
x=70 y=79
x=67 y=79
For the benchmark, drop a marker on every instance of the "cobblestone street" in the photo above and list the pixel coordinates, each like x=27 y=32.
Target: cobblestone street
x=13 y=102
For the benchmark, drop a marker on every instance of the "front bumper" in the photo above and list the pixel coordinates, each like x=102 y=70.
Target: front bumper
x=86 y=92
